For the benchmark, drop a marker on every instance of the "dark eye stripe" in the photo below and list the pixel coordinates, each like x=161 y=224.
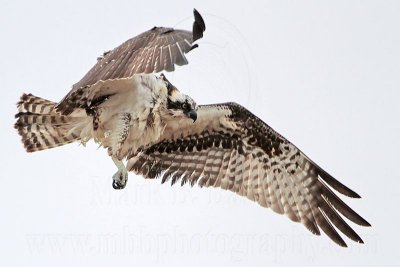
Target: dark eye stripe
x=178 y=105
x=173 y=105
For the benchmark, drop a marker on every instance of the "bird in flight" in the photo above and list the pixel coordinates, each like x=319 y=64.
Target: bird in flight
x=128 y=107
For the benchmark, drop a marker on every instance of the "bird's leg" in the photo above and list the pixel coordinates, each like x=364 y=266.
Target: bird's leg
x=125 y=125
x=120 y=178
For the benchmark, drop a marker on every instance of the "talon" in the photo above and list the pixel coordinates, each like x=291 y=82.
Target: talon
x=120 y=178
x=117 y=185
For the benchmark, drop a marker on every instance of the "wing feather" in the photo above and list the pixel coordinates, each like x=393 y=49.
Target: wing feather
x=230 y=148
x=155 y=50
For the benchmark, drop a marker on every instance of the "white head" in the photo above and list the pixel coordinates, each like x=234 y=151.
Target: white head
x=178 y=104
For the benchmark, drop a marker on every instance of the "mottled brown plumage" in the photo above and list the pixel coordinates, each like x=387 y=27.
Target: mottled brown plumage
x=156 y=50
x=231 y=148
x=142 y=117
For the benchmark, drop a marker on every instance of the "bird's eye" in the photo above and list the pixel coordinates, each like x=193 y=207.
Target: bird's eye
x=185 y=106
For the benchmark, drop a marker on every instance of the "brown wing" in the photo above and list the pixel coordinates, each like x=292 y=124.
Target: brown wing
x=158 y=49
x=229 y=147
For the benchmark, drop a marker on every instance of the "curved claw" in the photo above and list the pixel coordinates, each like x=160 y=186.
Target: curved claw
x=117 y=185
x=120 y=179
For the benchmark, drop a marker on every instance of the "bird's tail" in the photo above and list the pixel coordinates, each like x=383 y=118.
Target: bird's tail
x=42 y=127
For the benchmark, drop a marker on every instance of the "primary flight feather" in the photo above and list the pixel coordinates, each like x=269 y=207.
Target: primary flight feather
x=140 y=116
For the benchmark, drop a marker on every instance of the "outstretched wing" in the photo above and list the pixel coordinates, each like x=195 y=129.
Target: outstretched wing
x=231 y=148
x=158 y=49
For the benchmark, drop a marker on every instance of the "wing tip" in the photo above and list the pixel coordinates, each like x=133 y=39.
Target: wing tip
x=193 y=47
x=365 y=223
x=338 y=186
x=354 y=195
x=198 y=25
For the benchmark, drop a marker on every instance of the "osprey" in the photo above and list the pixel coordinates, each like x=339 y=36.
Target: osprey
x=140 y=116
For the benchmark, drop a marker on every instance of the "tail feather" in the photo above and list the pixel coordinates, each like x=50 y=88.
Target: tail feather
x=27 y=118
x=35 y=105
x=41 y=127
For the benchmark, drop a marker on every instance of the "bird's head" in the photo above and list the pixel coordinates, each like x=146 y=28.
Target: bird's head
x=178 y=104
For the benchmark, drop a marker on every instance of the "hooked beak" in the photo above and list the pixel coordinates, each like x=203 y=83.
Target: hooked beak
x=192 y=114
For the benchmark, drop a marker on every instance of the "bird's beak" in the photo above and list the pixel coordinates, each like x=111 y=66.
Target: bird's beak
x=192 y=114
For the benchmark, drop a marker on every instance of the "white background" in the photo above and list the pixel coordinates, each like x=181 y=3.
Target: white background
x=325 y=74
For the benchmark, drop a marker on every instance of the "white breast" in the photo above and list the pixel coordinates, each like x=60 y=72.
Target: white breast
x=141 y=96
